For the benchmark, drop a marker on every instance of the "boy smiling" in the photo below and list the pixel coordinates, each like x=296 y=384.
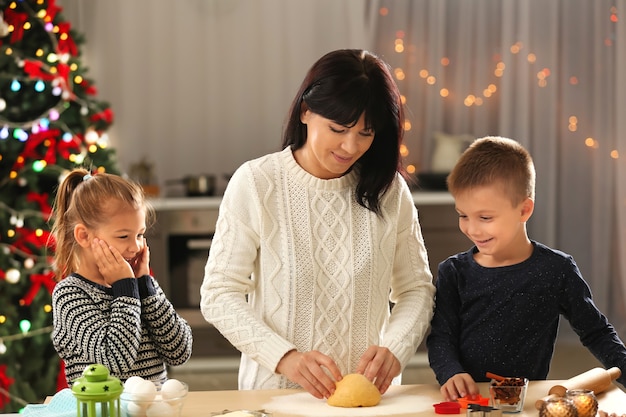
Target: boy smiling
x=498 y=305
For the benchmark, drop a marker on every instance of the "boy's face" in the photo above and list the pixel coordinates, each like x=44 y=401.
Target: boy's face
x=497 y=227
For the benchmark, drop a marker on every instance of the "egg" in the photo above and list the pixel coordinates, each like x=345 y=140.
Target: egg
x=160 y=409
x=132 y=382
x=173 y=388
x=135 y=410
x=144 y=391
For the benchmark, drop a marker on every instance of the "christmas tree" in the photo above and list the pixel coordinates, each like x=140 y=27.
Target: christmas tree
x=50 y=123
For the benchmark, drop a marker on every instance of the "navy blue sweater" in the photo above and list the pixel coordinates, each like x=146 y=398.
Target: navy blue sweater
x=505 y=320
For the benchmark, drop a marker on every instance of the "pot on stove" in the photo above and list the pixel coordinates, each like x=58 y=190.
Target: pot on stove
x=197 y=185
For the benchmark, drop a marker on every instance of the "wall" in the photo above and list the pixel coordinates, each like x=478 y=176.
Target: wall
x=199 y=86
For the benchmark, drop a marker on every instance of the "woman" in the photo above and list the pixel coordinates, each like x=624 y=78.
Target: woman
x=313 y=243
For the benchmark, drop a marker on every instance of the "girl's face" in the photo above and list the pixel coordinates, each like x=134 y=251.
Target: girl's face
x=331 y=149
x=124 y=230
x=494 y=224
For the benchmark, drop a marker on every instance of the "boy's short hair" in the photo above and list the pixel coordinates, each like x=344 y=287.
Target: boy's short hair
x=495 y=160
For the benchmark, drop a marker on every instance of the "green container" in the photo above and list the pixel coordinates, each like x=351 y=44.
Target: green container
x=97 y=390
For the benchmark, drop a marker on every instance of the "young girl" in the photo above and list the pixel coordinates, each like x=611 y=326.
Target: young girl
x=108 y=309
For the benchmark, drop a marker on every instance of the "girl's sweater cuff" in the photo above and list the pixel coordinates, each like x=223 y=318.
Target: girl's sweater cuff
x=125 y=287
x=146 y=286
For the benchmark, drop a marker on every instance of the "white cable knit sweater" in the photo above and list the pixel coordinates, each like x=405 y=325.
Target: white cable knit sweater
x=317 y=269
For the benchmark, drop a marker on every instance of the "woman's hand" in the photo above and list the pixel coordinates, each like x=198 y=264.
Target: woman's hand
x=458 y=386
x=380 y=366
x=110 y=262
x=311 y=371
x=141 y=263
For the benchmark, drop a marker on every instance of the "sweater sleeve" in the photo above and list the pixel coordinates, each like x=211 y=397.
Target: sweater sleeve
x=443 y=340
x=227 y=275
x=412 y=290
x=593 y=328
x=170 y=333
x=85 y=331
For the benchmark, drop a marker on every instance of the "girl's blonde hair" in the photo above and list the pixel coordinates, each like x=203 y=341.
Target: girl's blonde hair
x=88 y=199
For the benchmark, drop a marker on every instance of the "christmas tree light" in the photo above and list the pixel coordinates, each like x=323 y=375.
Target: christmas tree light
x=47 y=111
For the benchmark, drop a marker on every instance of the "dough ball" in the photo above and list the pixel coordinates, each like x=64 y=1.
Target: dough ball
x=354 y=390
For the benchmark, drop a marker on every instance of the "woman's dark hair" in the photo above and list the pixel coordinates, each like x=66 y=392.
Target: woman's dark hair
x=341 y=86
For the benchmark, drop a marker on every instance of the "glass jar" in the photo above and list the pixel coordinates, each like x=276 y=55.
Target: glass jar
x=558 y=407
x=584 y=400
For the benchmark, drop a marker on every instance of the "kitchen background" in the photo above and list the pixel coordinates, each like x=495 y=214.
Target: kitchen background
x=199 y=86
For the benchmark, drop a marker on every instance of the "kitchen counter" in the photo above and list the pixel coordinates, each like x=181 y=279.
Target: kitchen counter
x=399 y=401
x=421 y=198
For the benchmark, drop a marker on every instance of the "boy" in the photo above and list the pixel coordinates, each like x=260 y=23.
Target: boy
x=498 y=305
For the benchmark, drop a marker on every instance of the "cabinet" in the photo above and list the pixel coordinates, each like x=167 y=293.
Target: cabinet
x=440 y=228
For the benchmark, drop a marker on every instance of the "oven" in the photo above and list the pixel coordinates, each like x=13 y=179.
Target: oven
x=187 y=256
x=179 y=244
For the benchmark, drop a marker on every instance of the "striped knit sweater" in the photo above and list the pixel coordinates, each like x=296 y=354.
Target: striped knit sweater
x=131 y=328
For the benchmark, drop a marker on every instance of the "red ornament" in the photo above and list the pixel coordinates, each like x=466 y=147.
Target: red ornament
x=65 y=43
x=47 y=280
x=27 y=239
x=65 y=148
x=30 y=150
x=61 y=380
x=36 y=69
x=17 y=20
x=42 y=199
x=5 y=383
x=89 y=88
x=52 y=10
x=106 y=115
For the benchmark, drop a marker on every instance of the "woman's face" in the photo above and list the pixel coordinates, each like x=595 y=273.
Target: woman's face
x=331 y=149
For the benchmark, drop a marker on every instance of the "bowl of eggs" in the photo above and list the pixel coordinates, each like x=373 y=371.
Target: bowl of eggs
x=143 y=398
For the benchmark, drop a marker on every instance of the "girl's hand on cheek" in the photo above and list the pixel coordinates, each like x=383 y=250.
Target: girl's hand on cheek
x=141 y=263
x=110 y=262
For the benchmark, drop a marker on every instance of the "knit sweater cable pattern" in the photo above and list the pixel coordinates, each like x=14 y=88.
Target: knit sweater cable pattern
x=131 y=328
x=317 y=269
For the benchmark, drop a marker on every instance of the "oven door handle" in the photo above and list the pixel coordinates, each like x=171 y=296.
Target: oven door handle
x=197 y=244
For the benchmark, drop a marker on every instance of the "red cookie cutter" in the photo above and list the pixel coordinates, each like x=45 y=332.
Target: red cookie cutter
x=448 y=407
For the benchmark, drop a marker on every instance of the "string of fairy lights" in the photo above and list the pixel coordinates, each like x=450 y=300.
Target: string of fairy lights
x=478 y=98
x=60 y=73
x=57 y=68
